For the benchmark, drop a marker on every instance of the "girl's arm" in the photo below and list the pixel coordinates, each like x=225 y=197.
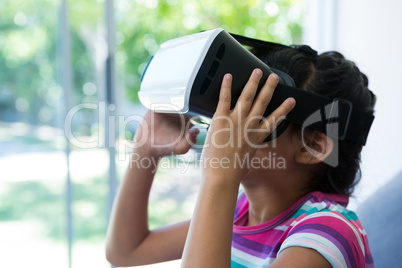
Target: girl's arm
x=300 y=257
x=209 y=240
x=129 y=240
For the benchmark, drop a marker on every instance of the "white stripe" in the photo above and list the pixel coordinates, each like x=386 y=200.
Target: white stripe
x=281 y=227
x=341 y=209
x=326 y=250
x=333 y=207
x=250 y=258
x=331 y=214
x=319 y=206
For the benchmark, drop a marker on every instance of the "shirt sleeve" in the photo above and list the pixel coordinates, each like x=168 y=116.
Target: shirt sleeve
x=337 y=239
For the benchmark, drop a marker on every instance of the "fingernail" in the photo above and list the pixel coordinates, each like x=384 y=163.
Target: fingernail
x=227 y=76
x=258 y=71
x=276 y=77
x=292 y=101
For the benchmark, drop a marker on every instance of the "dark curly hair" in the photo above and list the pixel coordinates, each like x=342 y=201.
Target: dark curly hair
x=328 y=74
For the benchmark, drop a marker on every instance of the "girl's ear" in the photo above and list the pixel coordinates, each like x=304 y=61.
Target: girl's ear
x=315 y=148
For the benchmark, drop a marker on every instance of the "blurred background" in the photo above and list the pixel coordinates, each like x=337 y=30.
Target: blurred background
x=69 y=76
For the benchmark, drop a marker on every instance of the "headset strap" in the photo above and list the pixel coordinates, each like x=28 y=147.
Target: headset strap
x=335 y=117
x=247 y=41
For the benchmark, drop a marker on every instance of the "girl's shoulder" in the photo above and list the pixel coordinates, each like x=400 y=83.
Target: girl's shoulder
x=325 y=224
x=318 y=221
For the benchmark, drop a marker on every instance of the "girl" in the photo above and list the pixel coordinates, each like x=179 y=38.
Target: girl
x=292 y=216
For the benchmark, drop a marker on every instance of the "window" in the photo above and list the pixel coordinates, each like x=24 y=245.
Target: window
x=69 y=76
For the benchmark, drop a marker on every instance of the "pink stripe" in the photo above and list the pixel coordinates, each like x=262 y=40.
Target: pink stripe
x=316 y=245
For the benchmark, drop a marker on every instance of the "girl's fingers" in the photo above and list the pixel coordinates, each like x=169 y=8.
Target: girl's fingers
x=248 y=94
x=187 y=142
x=264 y=96
x=277 y=116
x=225 y=95
x=245 y=102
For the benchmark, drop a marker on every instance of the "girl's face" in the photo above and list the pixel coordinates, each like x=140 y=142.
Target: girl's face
x=275 y=157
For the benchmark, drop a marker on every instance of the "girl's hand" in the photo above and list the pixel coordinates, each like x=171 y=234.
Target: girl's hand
x=162 y=134
x=210 y=236
x=234 y=135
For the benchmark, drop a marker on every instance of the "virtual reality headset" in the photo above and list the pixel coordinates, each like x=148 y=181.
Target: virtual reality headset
x=185 y=76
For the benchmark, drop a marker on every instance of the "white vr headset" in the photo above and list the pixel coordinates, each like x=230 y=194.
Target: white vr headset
x=186 y=73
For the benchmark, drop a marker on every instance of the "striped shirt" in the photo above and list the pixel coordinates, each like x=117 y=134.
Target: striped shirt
x=318 y=221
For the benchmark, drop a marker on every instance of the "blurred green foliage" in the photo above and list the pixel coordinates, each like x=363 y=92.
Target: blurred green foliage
x=43 y=202
x=30 y=89
x=30 y=39
x=142 y=27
